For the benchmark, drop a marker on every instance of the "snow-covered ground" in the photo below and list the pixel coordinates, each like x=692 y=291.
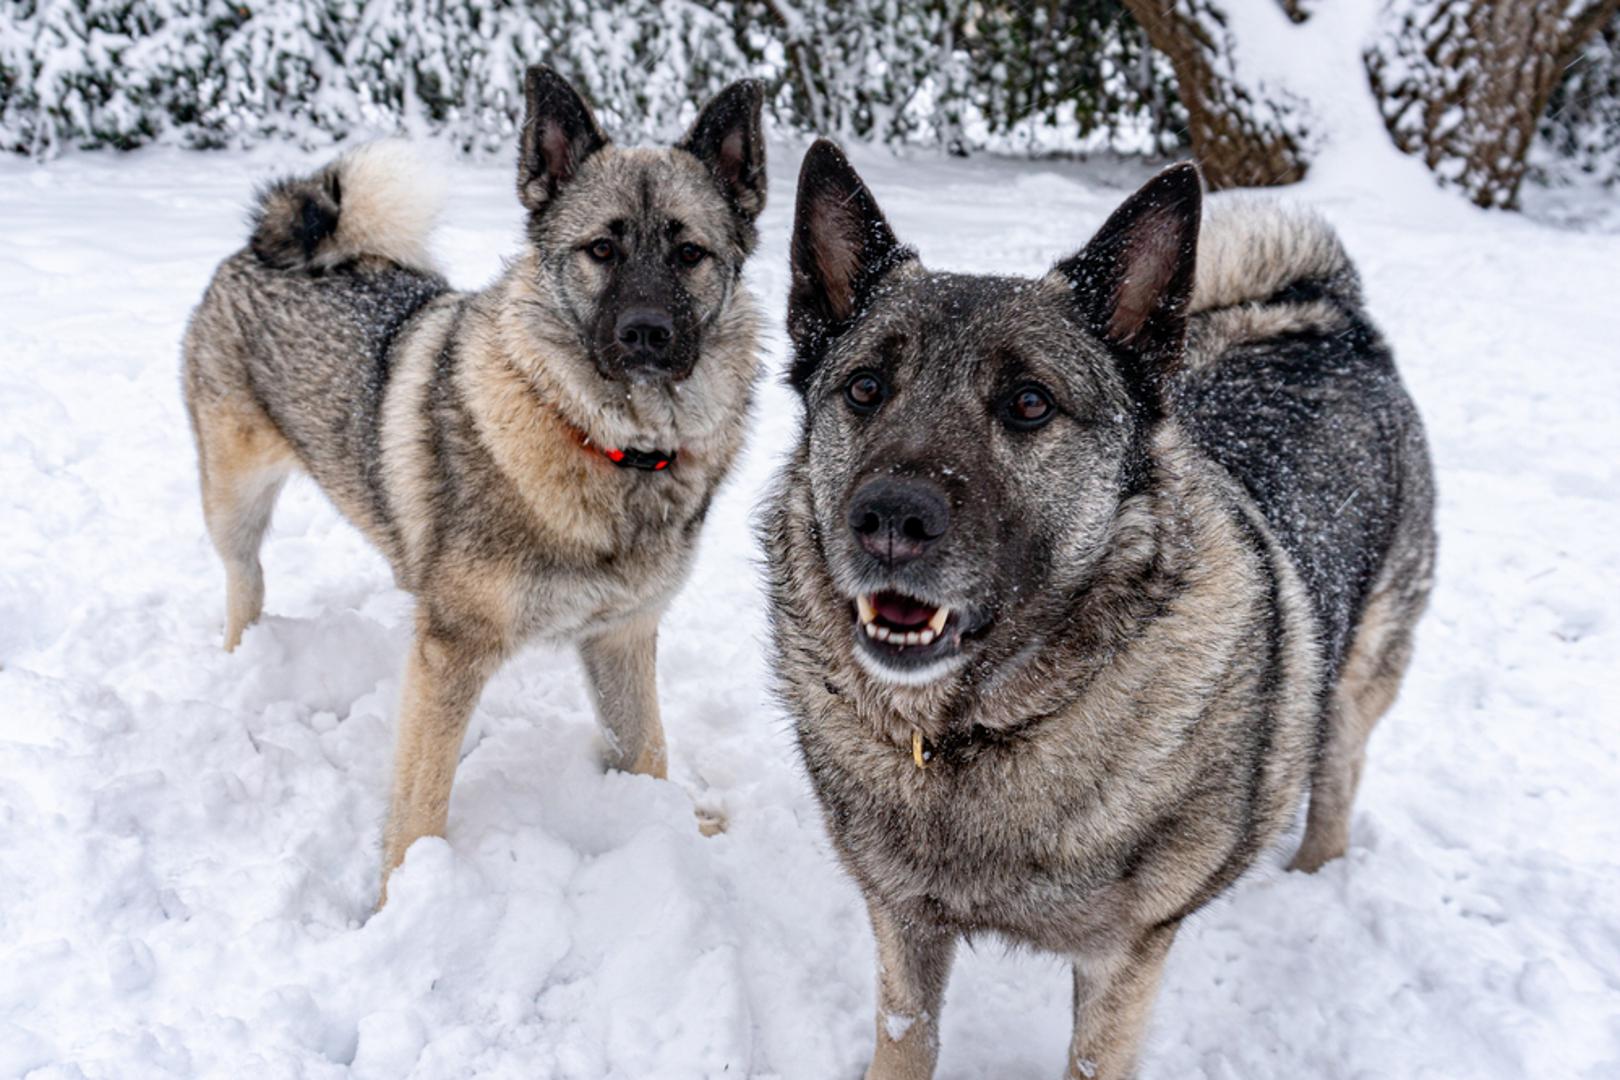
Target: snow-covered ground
x=188 y=839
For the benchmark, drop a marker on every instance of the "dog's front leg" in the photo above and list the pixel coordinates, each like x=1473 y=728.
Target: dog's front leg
x=443 y=679
x=1112 y=1001
x=622 y=666
x=914 y=962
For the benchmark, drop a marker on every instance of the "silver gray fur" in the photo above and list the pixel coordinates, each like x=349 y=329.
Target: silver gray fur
x=1178 y=601
x=467 y=434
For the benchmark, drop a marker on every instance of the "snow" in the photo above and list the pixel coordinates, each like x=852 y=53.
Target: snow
x=189 y=848
x=211 y=73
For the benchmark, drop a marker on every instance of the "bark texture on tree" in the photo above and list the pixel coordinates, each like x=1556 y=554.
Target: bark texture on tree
x=1463 y=83
x=1243 y=134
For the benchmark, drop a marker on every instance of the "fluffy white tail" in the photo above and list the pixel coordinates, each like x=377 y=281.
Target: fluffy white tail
x=1253 y=248
x=378 y=199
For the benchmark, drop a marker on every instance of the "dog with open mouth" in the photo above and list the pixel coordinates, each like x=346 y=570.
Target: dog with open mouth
x=1079 y=582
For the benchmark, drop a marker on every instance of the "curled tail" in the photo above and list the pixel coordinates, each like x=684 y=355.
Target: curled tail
x=375 y=200
x=1257 y=249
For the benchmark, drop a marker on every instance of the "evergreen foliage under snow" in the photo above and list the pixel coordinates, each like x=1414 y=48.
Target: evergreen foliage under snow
x=1580 y=135
x=1037 y=75
x=120 y=73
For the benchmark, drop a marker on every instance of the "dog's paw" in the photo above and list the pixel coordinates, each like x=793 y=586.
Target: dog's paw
x=711 y=822
x=1312 y=857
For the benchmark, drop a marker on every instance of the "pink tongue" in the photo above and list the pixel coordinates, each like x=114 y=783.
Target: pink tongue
x=898 y=610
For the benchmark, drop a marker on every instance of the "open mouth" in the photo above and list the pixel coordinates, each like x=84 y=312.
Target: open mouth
x=899 y=620
x=898 y=634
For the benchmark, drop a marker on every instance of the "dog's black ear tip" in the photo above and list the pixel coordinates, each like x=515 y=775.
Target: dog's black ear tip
x=737 y=107
x=1183 y=180
x=751 y=91
x=545 y=86
x=825 y=161
x=824 y=149
x=538 y=74
x=743 y=95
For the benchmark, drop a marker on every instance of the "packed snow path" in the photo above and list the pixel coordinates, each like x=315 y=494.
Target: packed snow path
x=189 y=839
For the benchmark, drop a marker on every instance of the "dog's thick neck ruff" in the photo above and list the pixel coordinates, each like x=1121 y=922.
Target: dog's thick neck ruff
x=628 y=457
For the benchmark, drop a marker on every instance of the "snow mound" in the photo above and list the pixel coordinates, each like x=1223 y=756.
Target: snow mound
x=189 y=839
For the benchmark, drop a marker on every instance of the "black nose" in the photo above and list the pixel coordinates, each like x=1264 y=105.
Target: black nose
x=645 y=334
x=897 y=520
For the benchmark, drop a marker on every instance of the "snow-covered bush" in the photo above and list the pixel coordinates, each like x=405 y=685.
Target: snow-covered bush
x=961 y=73
x=1580 y=135
x=212 y=72
x=1085 y=65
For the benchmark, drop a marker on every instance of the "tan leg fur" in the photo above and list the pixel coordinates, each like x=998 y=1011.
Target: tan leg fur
x=242 y=461
x=914 y=963
x=1111 y=1009
x=621 y=666
x=443 y=679
x=1367 y=687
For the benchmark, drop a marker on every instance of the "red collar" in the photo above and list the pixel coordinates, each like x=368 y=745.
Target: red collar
x=647 y=460
x=627 y=458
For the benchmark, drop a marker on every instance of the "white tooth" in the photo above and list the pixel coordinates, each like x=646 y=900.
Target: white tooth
x=913 y=638
x=926 y=637
x=871 y=630
x=937 y=623
x=864 y=606
x=882 y=633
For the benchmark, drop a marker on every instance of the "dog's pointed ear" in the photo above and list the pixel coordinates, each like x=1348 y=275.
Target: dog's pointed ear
x=1133 y=282
x=728 y=138
x=559 y=133
x=842 y=247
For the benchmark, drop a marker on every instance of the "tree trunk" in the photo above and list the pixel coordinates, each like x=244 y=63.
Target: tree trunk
x=1463 y=83
x=1243 y=135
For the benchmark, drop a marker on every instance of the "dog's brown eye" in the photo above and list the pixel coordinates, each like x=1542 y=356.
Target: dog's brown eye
x=1029 y=407
x=864 y=391
x=600 y=250
x=690 y=254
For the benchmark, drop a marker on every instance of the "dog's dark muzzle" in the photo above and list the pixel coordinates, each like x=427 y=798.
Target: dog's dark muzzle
x=648 y=345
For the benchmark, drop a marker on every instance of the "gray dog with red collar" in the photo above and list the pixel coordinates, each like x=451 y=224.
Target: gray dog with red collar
x=1080 y=581
x=534 y=459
